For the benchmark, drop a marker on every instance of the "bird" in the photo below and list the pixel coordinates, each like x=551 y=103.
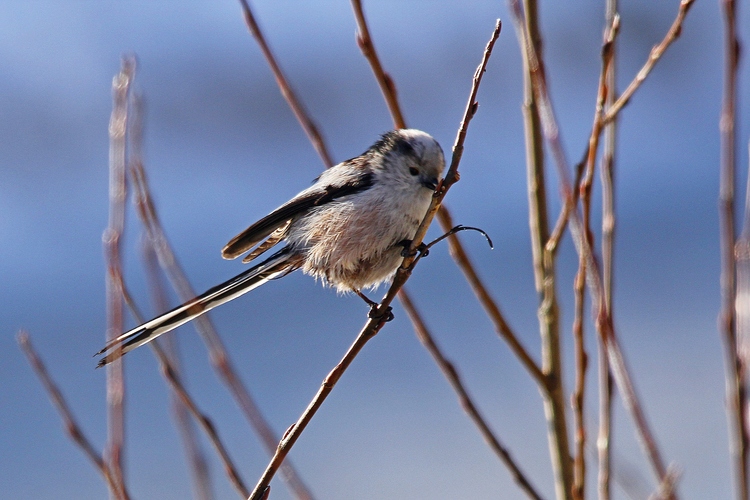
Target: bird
x=350 y=230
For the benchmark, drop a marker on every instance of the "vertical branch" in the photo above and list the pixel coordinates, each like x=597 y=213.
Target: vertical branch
x=736 y=376
x=111 y=238
x=74 y=430
x=604 y=438
x=585 y=189
x=544 y=262
x=742 y=254
x=581 y=360
x=286 y=90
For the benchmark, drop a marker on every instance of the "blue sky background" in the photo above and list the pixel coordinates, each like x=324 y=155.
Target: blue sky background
x=222 y=149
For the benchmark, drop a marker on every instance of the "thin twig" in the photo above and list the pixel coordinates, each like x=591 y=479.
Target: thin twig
x=384 y=79
x=527 y=28
x=578 y=398
x=584 y=190
x=450 y=373
x=286 y=90
x=604 y=437
x=380 y=314
x=736 y=370
x=71 y=425
x=118 y=128
x=656 y=52
x=217 y=353
x=195 y=457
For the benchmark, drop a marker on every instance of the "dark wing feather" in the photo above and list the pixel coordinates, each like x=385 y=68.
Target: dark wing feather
x=291 y=210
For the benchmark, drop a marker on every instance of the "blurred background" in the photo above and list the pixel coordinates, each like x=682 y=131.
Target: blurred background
x=222 y=149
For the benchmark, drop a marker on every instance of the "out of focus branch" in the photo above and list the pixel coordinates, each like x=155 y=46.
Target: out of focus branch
x=195 y=457
x=118 y=128
x=604 y=437
x=584 y=190
x=217 y=353
x=71 y=425
x=736 y=368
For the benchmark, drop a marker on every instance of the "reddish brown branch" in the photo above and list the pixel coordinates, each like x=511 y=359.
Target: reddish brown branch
x=451 y=374
x=286 y=90
x=72 y=427
x=364 y=41
x=584 y=190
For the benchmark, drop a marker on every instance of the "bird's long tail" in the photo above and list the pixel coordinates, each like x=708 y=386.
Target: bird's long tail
x=279 y=264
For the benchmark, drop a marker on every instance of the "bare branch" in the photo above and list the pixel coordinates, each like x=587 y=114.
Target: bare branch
x=544 y=258
x=384 y=79
x=195 y=457
x=604 y=438
x=286 y=90
x=118 y=128
x=71 y=425
x=451 y=374
x=585 y=195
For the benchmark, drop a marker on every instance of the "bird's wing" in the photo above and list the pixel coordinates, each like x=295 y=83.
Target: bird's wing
x=277 y=222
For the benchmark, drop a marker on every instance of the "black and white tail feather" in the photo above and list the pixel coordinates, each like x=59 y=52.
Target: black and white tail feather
x=347 y=229
x=278 y=265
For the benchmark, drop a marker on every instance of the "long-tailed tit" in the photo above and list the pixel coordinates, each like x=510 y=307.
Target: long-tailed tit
x=349 y=229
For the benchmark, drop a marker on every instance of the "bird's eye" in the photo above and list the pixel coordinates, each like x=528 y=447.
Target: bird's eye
x=413 y=171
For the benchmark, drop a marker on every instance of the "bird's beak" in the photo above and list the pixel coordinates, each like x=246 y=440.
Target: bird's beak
x=430 y=183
